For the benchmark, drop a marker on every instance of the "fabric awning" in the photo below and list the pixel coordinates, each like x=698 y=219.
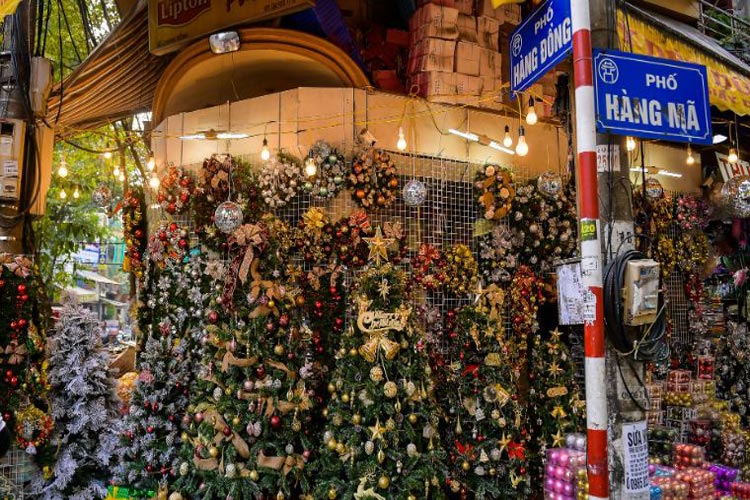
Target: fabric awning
x=96 y=277
x=652 y=34
x=116 y=80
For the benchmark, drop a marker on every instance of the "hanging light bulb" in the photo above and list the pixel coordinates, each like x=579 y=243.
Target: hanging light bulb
x=116 y=171
x=507 y=140
x=122 y=177
x=107 y=155
x=265 y=153
x=310 y=167
x=151 y=162
x=522 y=149
x=63 y=194
x=733 y=157
x=630 y=144
x=62 y=170
x=154 y=181
x=76 y=193
x=690 y=160
x=531 y=117
x=401 y=143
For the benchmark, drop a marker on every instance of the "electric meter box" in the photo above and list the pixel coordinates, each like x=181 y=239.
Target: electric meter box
x=11 y=159
x=641 y=292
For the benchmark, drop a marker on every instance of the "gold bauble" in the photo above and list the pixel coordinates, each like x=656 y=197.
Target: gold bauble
x=465 y=466
x=376 y=374
x=337 y=420
x=390 y=389
x=331 y=388
x=390 y=424
x=455 y=486
x=175 y=496
x=340 y=448
x=236 y=421
x=384 y=482
x=325 y=412
x=493 y=472
x=280 y=495
x=332 y=444
x=413 y=418
x=353 y=352
x=332 y=493
x=341 y=353
x=254 y=476
x=296 y=425
x=213 y=452
x=345 y=398
x=356 y=419
x=271 y=303
x=279 y=350
x=411 y=497
x=381 y=456
x=228 y=391
x=184 y=436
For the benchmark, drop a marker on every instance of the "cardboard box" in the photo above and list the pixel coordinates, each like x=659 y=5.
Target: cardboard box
x=468 y=57
x=387 y=79
x=463 y=6
x=467 y=28
x=396 y=37
x=485 y=8
x=488 y=33
x=434 y=21
x=435 y=86
x=491 y=64
x=432 y=54
x=468 y=88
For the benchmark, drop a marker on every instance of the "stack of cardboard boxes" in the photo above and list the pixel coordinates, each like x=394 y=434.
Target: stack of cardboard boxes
x=455 y=55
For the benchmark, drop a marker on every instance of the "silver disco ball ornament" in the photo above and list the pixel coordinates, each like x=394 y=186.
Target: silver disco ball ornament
x=549 y=184
x=415 y=193
x=654 y=190
x=228 y=217
x=101 y=196
x=736 y=196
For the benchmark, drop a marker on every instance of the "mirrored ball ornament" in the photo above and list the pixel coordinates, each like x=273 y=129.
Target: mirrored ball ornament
x=228 y=217
x=654 y=190
x=736 y=196
x=101 y=196
x=415 y=193
x=549 y=184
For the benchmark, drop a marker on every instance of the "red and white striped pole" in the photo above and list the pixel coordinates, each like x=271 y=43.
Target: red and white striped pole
x=591 y=253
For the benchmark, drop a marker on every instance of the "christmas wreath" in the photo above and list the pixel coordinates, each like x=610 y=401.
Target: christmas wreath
x=169 y=243
x=460 y=270
x=219 y=175
x=279 y=180
x=373 y=179
x=175 y=189
x=330 y=172
x=497 y=256
x=495 y=191
x=33 y=428
x=428 y=267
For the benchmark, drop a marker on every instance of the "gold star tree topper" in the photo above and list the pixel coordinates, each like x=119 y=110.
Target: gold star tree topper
x=378 y=247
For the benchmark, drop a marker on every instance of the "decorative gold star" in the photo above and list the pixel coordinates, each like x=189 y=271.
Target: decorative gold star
x=556 y=334
x=378 y=247
x=554 y=369
x=384 y=288
x=377 y=431
x=478 y=292
x=504 y=442
x=557 y=439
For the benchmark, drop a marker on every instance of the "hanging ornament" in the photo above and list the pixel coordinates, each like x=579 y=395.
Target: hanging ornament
x=228 y=217
x=373 y=180
x=654 y=190
x=101 y=196
x=549 y=184
x=494 y=190
x=415 y=193
x=279 y=180
x=175 y=190
x=328 y=177
x=736 y=195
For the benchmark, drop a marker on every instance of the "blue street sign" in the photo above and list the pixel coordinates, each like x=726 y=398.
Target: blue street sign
x=650 y=97
x=539 y=43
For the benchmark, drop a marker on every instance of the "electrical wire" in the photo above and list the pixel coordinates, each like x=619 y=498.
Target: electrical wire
x=649 y=343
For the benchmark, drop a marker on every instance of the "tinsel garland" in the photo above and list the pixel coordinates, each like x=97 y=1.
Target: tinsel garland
x=135 y=229
x=494 y=191
x=373 y=179
x=175 y=189
x=279 y=180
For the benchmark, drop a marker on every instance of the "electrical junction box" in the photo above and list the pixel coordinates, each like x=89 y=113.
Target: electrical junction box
x=641 y=292
x=11 y=158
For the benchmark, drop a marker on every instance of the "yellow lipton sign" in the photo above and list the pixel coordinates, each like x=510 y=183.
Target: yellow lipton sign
x=173 y=23
x=729 y=90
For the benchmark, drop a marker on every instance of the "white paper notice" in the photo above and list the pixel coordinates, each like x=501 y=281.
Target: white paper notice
x=635 y=453
x=570 y=293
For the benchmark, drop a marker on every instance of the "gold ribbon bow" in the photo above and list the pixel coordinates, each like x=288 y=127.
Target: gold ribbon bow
x=253 y=237
x=18 y=265
x=379 y=340
x=315 y=218
x=16 y=351
x=231 y=360
x=493 y=302
x=211 y=415
x=283 y=464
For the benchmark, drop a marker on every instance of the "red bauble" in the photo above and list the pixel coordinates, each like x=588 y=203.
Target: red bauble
x=318 y=304
x=138 y=233
x=14 y=325
x=275 y=422
x=260 y=371
x=284 y=320
x=333 y=290
x=270 y=326
x=150 y=429
x=170 y=418
x=9 y=374
x=21 y=288
x=184 y=197
x=339 y=321
x=2 y=283
x=183 y=243
x=14 y=381
x=24 y=298
x=173 y=226
x=227 y=431
x=150 y=468
x=22 y=323
x=147 y=405
x=163 y=235
x=213 y=317
x=7 y=417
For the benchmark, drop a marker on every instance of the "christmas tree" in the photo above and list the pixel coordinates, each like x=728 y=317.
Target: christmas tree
x=555 y=406
x=151 y=436
x=381 y=437
x=249 y=433
x=483 y=429
x=733 y=369
x=83 y=406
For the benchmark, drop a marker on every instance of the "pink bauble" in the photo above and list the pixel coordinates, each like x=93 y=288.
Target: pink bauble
x=199 y=417
x=549 y=483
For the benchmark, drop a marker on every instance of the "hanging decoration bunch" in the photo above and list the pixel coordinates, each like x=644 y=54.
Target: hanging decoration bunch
x=691 y=212
x=134 y=229
x=460 y=270
x=693 y=249
x=220 y=176
x=652 y=215
x=330 y=172
x=543 y=225
x=373 y=179
x=175 y=189
x=279 y=180
x=428 y=267
x=497 y=256
x=666 y=255
x=495 y=191
x=526 y=295
x=169 y=243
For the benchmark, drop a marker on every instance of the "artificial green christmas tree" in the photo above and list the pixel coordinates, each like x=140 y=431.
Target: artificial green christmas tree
x=381 y=439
